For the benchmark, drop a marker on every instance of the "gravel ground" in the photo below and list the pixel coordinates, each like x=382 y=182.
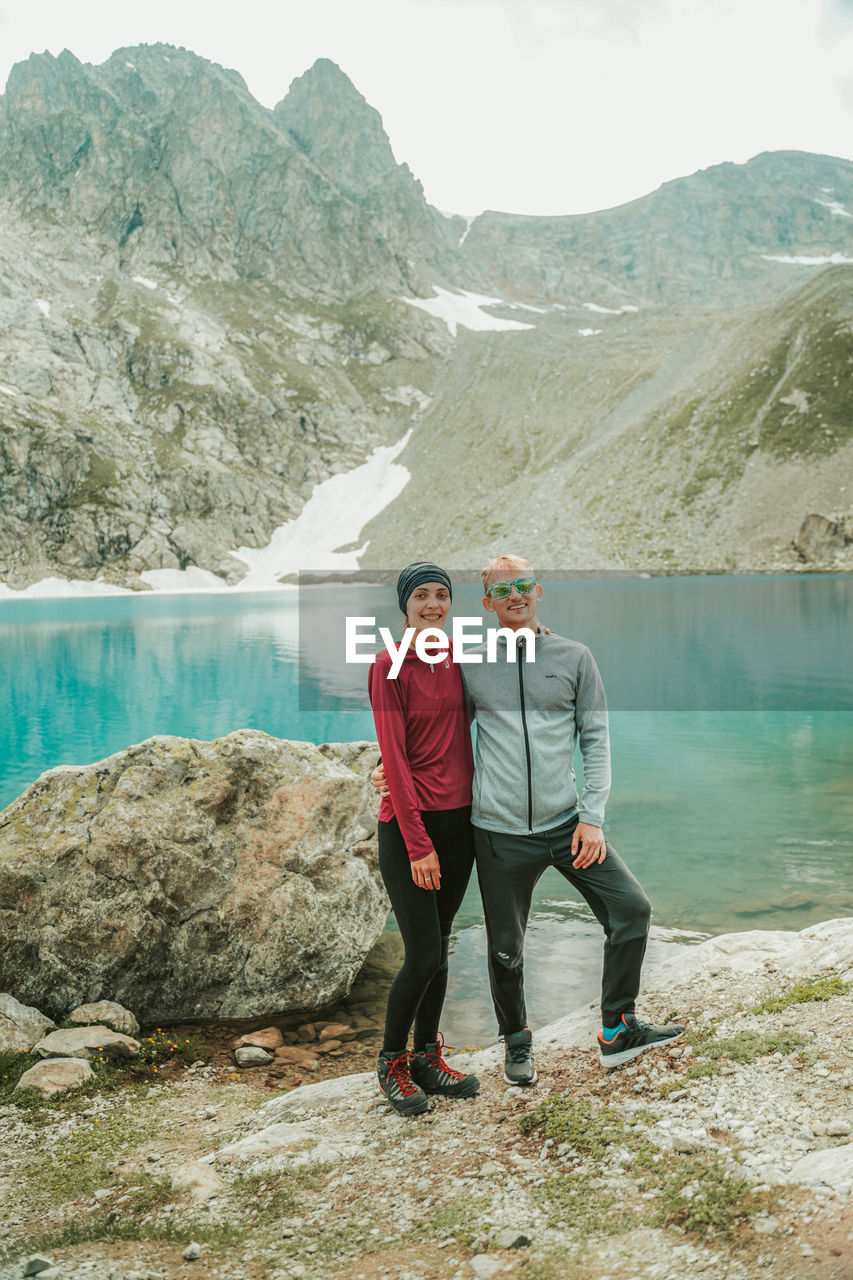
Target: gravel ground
x=745 y=1121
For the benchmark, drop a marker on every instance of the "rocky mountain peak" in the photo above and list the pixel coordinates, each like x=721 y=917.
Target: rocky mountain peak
x=338 y=129
x=165 y=70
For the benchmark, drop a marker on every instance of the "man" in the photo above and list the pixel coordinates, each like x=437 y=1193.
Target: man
x=527 y=817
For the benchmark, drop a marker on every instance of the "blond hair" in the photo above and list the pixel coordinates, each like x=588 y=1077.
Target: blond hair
x=504 y=564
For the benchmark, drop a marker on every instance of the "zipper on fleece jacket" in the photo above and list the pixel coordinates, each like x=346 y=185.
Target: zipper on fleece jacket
x=526 y=744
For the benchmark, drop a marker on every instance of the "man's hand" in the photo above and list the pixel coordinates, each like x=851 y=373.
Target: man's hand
x=426 y=872
x=587 y=845
x=378 y=780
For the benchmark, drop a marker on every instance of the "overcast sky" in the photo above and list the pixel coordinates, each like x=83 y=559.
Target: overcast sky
x=530 y=106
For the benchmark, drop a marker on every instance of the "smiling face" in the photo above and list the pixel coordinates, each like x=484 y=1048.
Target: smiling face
x=428 y=606
x=515 y=609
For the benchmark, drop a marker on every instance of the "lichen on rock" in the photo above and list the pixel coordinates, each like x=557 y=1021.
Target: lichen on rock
x=191 y=879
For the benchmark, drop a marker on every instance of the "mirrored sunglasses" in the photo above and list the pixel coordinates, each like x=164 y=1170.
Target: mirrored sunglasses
x=500 y=590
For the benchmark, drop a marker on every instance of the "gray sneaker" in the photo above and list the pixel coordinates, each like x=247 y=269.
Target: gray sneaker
x=518 y=1059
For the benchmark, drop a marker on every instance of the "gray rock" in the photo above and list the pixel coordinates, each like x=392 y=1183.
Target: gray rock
x=203 y=1182
x=56 y=1075
x=253 y=1056
x=108 y=1013
x=192 y=1252
x=820 y=539
x=484 y=1267
x=36 y=1264
x=21 y=1025
x=87 y=1042
x=511 y=1239
x=830 y=1168
x=240 y=872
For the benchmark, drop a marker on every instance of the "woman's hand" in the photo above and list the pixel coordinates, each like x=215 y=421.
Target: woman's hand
x=378 y=780
x=426 y=872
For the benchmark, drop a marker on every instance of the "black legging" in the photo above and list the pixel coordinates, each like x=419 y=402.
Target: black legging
x=425 y=919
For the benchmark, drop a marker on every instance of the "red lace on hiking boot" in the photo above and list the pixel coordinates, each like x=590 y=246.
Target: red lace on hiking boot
x=395 y=1081
x=434 y=1075
x=437 y=1057
x=400 y=1074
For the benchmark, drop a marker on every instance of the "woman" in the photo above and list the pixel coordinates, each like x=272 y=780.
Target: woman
x=426 y=847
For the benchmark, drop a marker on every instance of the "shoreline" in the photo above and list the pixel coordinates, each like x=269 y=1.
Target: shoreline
x=82 y=588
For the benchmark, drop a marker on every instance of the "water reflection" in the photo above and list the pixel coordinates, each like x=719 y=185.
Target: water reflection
x=562 y=971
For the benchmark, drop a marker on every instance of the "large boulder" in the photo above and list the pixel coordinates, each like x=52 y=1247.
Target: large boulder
x=56 y=1075
x=186 y=879
x=85 y=1042
x=107 y=1012
x=20 y=1025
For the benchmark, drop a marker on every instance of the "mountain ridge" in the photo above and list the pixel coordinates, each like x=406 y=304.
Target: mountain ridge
x=211 y=306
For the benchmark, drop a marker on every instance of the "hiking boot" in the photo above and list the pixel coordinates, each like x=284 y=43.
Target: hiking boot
x=432 y=1073
x=632 y=1039
x=395 y=1081
x=518 y=1058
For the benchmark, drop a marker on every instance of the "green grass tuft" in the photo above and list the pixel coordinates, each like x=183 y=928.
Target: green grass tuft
x=696 y=1071
x=276 y=1195
x=804 y=993
x=747 y=1046
x=587 y=1127
x=12 y=1067
x=579 y=1203
x=703 y=1192
x=462 y=1218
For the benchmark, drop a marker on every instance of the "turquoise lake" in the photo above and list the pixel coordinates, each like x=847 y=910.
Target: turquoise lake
x=731 y=722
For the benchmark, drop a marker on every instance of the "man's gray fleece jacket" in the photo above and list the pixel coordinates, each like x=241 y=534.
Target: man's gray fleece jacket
x=529 y=717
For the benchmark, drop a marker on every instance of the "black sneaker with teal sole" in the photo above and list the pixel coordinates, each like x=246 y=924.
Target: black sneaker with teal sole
x=518 y=1058
x=395 y=1081
x=632 y=1039
x=431 y=1072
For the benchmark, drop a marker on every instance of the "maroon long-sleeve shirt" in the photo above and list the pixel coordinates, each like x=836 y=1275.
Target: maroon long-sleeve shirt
x=422 y=726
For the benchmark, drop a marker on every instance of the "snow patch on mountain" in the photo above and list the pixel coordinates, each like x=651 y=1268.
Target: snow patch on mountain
x=332 y=518
x=609 y=311
x=802 y=260
x=63 y=587
x=835 y=207
x=464 y=309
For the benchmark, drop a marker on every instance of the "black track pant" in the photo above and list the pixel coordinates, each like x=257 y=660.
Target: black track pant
x=508 y=867
x=425 y=920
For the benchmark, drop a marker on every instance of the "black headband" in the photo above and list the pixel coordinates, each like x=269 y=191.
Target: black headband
x=415 y=575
